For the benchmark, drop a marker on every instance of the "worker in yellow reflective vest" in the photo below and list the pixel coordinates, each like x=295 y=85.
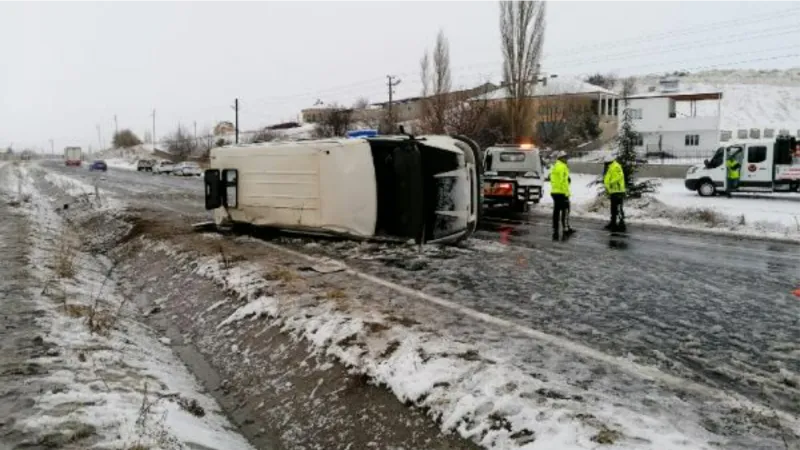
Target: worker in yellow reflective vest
x=560 y=192
x=614 y=182
x=733 y=167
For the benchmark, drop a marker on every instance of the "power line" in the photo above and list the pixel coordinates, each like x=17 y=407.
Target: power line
x=360 y=86
x=747 y=20
x=683 y=46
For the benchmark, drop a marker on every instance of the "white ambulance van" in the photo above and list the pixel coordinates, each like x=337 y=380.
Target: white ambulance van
x=766 y=166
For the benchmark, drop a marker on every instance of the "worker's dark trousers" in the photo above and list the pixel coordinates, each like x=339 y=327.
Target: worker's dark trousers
x=733 y=184
x=617 y=212
x=560 y=212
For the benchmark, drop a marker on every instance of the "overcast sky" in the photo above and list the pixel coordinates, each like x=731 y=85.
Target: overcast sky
x=67 y=67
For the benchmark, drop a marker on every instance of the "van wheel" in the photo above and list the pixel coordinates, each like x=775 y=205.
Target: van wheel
x=706 y=189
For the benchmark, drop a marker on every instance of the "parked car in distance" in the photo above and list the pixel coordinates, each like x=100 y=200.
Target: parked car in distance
x=98 y=165
x=145 y=165
x=187 y=169
x=162 y=167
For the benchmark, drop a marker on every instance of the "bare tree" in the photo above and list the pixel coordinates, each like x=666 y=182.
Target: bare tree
x=607 y=81
x=425 y=73
x=264 y=135
x=628 y=89
x=181 y=143
x=436 y=85
x=336 y=121
x=361 y=103
x=468 y=112
x=522 y=27
x=564 y=120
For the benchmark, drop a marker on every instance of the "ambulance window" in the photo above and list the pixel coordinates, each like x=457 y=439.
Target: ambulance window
x=756 y=154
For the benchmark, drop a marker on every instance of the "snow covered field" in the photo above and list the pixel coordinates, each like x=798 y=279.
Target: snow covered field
x=108 y=380
x=766 y=215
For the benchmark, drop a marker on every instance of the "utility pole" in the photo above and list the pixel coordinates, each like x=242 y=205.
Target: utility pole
x=195 y=133
x=52 y=147
x=99 y=137
x=116 y=127
x=236 y=108
x=391 y=82
x=154 y=129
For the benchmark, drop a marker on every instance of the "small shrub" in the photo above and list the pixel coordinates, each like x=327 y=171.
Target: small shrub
x=65 y=259
x=282 y=274
x=606 y=436
x=707 y=216
x=336 y=294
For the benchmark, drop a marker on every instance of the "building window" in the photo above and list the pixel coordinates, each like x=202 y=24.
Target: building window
x=692 y=140
x=757 y=154
x=636 y=114
x=616 y=107
x=638 y=140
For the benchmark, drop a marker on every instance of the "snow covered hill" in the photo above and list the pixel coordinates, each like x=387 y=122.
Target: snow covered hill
x=751 y=98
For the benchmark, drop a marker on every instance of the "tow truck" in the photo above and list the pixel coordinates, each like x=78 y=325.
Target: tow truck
x=766 y=166
x=513 y=177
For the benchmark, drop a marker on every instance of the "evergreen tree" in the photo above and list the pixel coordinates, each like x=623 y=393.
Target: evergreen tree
x=626 y=150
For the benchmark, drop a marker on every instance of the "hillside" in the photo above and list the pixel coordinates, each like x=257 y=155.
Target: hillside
x=751 y=98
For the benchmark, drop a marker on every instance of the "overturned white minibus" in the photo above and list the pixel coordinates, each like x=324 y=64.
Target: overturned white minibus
x=425 y=188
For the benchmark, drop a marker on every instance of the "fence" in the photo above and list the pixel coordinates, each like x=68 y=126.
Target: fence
x=645 y=171
x=666 y=158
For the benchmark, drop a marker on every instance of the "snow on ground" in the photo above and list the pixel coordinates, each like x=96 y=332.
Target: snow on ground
x=498 y=404
x=119 y=386
x=82 y=190
x=495 y=401
x=767 y=215
x=120 y=163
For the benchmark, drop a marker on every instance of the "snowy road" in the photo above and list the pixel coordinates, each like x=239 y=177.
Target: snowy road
x=710 y=309
x=175 y=194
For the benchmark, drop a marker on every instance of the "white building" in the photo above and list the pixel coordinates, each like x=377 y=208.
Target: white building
x=674 y=123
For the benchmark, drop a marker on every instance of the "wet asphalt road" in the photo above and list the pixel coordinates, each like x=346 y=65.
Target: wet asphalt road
x=175 y=194
x=717 y=310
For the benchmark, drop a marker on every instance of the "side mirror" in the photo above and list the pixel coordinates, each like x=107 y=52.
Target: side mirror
x=211 y=180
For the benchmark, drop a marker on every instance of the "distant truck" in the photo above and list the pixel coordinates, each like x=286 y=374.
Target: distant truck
x=766 y=166
x=72 y=156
